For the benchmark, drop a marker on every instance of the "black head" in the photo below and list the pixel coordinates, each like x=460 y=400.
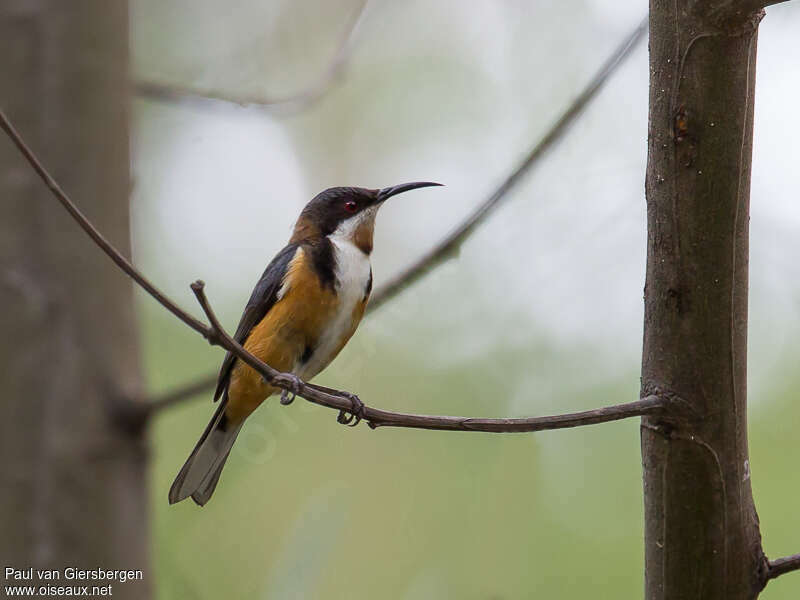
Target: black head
x=332 y=207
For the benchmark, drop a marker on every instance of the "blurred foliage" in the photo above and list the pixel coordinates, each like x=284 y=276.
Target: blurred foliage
x=539 y=313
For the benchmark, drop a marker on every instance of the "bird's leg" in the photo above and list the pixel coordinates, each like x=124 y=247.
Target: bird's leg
x=356 y=411
x=294 y=389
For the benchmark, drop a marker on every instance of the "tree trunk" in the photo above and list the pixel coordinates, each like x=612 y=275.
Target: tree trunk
x=73 y=482
x=702 y=537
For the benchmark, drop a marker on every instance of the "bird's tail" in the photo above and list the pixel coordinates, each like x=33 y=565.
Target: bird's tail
x=199 y=475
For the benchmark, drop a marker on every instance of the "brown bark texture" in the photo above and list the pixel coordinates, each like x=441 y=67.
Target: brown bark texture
x=73 y=481
x=702 y=535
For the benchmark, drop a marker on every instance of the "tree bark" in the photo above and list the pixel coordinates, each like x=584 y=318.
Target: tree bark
x=73 y=480
x=702 y=536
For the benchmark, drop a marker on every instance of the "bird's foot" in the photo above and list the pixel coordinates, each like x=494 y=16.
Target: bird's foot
x=355 y=414
x=288 y=395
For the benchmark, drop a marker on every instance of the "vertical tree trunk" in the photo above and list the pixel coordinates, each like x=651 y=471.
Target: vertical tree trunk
x=702 y=537
x=73 y=483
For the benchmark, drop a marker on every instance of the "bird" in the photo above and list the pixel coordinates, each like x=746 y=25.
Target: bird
x=301 y=313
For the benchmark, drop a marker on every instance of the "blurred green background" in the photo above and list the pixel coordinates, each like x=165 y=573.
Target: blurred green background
x=540 y=312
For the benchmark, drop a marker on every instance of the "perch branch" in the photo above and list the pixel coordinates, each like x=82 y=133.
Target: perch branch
x=781 y=566
x=457 y=236
x=166 y=92
x=344 y=402
x=341 y=401
x=649 y=405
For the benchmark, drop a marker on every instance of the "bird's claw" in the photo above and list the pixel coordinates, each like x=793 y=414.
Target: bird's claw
x=288 y=395
x=355 y=414
x=286 y=399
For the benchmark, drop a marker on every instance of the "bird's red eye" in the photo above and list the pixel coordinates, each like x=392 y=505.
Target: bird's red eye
x=350 y=206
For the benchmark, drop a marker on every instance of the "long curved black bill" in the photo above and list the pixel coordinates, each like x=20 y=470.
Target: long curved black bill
x=388 y=192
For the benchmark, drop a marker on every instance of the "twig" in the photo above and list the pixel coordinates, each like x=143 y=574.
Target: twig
x=182 y=392
x=166 y=92
x=341 y=401
x=741 y=7
x=649 y=405
x=122 y=262
x=781 y=566
x=455 y=238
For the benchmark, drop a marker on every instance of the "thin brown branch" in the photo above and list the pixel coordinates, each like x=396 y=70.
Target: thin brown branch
x=167 y=92
x=338 y=400
x=457 y=236
x=122 y=262
x=649 y=405
x=182 y=392
x=726 y=10
x=344 y=402
x=450 y=244
x=781 y=566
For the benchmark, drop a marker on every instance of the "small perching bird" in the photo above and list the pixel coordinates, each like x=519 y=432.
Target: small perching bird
x=302 y=312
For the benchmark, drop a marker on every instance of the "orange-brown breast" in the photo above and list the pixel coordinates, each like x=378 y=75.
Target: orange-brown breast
x=291 y=327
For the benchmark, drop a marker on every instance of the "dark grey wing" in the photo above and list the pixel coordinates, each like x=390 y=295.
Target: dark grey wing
x=261 y=301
